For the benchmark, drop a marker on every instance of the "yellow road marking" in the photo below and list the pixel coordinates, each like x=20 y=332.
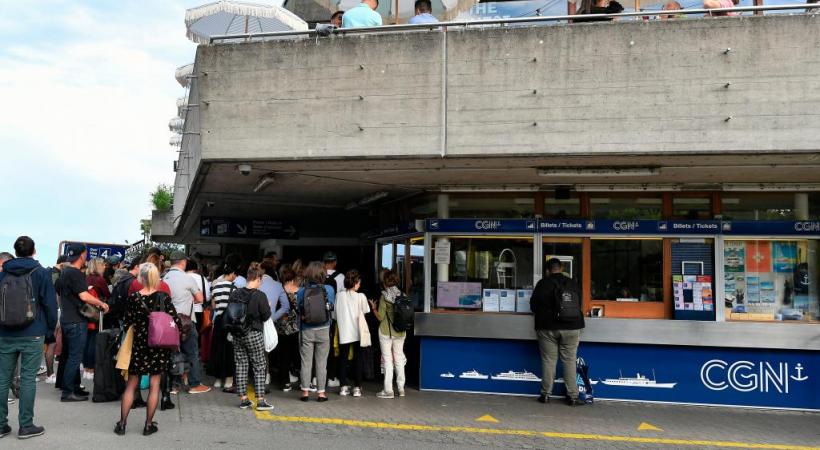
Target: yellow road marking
x=648 y=427
x=487 y=418
x=267 y=416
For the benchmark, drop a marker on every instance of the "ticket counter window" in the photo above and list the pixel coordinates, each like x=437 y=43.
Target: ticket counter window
x=771 y=280
x=482 y=273
x=757 y=206
x=627 y=270
x=569 y=251
x=626 y=208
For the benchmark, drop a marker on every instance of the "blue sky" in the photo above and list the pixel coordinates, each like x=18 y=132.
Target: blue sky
x=87 y=89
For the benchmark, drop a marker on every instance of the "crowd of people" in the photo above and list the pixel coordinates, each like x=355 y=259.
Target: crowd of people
x=222 y=315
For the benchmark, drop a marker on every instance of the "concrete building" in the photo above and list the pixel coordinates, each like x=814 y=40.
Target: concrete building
x=627 y=128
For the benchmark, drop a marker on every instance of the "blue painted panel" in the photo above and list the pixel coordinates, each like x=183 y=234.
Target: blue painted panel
x=705 y=375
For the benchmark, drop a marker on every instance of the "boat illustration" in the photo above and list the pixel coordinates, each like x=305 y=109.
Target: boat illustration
x=447 y=375
x=473 y=374
x=561 y=381
x=516 y=376
x=637 y=381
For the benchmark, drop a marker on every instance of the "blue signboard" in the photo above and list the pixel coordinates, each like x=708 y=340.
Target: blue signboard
x=771 y=227
x=483 y=225
x=700 y=375
x=103 y=251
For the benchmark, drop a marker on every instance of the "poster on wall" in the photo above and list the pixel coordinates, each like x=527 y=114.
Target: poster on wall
x=784 y=254
x=759 y=257
x=453 y=294
x=693 y=375
x=734 y=256
x=693 y=293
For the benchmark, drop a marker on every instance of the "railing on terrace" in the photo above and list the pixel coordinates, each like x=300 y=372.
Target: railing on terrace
x=810 y=8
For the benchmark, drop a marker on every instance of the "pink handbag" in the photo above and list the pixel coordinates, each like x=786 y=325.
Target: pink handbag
x=162 y=329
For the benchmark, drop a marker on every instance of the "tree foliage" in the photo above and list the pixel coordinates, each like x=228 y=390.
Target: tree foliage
x=162 y=198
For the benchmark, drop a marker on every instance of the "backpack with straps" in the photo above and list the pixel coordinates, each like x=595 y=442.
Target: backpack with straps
x=18 y=307
x=315 y=305
x=236 y=313
x=403 y=314
x=331 y=281
x=567 y=301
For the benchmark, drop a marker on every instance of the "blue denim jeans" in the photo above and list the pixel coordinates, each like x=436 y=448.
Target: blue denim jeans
x=30 y=352
x=74 y=337
x=190 y=347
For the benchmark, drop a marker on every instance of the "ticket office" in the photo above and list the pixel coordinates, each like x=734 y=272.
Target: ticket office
x=623 y=273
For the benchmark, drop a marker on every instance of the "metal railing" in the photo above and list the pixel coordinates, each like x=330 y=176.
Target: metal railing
x=517 y=20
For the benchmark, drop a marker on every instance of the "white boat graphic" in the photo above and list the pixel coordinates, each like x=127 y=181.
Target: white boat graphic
x=561 y=381
x=474 y=375
x=637 y=381
x=447 y=375
x=516 y=376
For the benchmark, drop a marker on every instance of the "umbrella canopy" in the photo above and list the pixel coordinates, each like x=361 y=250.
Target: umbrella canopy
x=442 y=9
x=183 y=73
x=231 y=17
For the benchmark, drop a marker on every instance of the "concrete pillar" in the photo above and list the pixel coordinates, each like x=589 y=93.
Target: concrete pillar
x=801 y=206
x=443 y=209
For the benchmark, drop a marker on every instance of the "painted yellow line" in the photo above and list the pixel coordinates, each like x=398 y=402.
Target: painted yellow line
x=267 y=416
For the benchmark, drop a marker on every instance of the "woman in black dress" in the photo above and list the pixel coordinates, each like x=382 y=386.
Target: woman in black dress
x=145 y=360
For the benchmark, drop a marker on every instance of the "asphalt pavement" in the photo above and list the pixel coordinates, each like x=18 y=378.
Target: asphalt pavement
x=420 y=420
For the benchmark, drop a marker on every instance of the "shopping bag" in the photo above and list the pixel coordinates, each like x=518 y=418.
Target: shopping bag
x=145 y=382
x=364 y=332
x=124 y=354
x=271 y=337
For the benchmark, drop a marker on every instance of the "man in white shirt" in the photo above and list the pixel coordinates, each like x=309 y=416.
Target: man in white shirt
x=185 y=293
x=194 y=271
x=330 y=261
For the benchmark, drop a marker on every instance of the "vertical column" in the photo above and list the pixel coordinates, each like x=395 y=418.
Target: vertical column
x=443 y=203
x=801 y=206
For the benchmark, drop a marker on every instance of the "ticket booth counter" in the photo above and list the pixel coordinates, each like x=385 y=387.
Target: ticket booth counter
x=664 y=322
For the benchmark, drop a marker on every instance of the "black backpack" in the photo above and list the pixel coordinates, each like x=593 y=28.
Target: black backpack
x=119 y=297
x=331 y=280
x=236 y=313
x=18 y=307
x=315 y=305
x=567 y=301
x=403 y=314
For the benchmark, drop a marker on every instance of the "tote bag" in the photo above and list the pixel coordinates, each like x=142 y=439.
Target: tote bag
x=271 y=337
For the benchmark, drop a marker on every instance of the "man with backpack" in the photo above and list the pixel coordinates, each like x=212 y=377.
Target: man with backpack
x=556 y=303
x=315 y=301
x=336 y=280
x=29 y=315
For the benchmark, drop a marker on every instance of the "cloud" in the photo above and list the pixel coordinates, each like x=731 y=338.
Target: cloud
x=87 y=90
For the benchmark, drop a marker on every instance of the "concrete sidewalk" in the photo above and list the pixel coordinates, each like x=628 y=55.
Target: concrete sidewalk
x=420 y=420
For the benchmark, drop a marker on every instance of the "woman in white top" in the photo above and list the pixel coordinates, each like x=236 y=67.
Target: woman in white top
x=350 y=304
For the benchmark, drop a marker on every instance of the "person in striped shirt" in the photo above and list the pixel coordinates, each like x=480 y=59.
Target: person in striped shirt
x=221 y=363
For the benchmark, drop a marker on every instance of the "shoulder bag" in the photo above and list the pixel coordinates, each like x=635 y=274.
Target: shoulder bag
x=162 y=329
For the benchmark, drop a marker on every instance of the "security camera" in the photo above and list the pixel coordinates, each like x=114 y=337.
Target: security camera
x=244 y=169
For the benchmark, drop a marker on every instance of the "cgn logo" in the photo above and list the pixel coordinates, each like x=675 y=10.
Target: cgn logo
x=746 y=376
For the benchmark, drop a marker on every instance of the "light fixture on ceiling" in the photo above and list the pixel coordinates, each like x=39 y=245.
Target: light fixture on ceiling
x=263 y=182
x=771 y=187
x=491 y=188
x=364 y=201
x=600 y=172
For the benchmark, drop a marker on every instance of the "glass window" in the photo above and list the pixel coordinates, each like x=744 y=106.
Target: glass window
x=386 y=256
x=627 y=269
x=757 y=206
x=771 y=280
x=649 y=208
x=561 y=208
x=814 y=205
x=415 y=290
x=692 y=208
x=569 y=251
x=484 y=273
x=495 y=207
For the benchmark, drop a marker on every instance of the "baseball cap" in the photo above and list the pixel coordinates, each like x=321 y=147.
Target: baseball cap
x=113 y=260
x=329 y=257
x=131 y=263
x=178 y=256
x=73 y=251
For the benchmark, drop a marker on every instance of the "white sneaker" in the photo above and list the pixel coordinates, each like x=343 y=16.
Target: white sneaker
x=401 y=392
x=345 y=391
x=51 y=379
x=267 y=379
x=313 y=388
x=217 y=383
x=357 y=392
x=383 y=394
x=333 y=382
x=228 y=383
x=292 y=378
x=42 y=370
x=88 y=375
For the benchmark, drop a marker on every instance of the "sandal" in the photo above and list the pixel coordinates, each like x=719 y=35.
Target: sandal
x=150 y=429
x=305 y=396
x=119 y=428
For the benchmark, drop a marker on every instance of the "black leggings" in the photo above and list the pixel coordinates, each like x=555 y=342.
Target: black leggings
x=344 y=364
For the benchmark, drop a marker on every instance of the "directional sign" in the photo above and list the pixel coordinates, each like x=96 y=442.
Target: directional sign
x=104 y=251
x=247 y=228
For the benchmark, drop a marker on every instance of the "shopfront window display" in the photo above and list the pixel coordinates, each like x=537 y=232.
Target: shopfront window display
x=482 y=273
x=771 y=280
x=628 y=270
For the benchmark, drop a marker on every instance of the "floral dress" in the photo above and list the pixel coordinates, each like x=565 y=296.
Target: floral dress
x=145 y=359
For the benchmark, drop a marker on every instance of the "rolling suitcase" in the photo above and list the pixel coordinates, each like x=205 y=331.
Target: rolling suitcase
x=108 y=382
